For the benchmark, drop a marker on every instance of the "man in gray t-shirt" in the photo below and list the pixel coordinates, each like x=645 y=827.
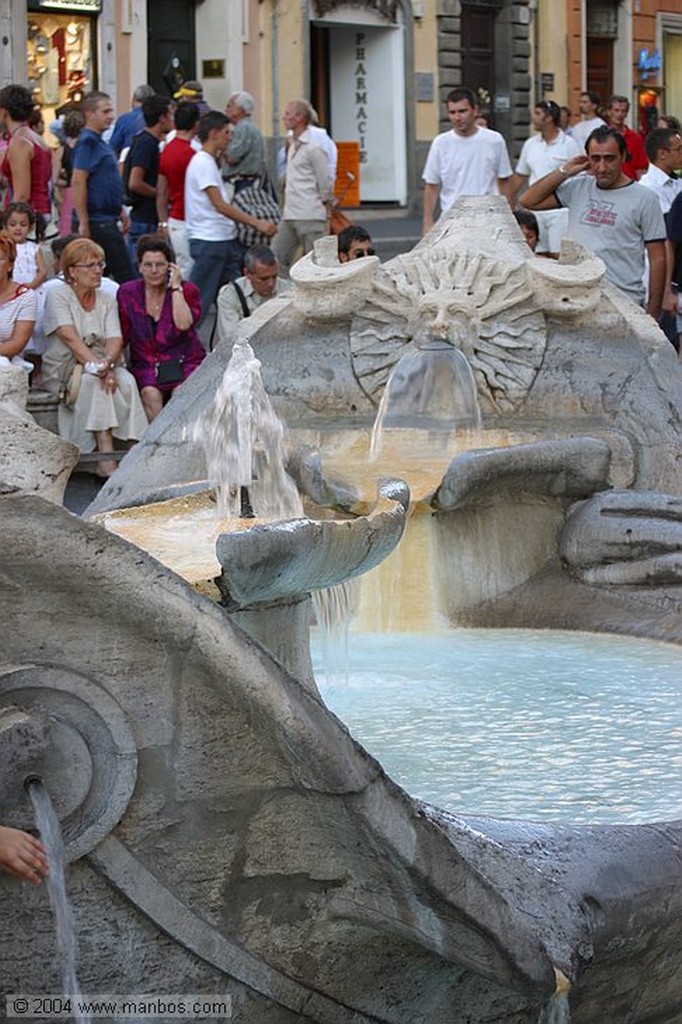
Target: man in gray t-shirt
x=610 y=214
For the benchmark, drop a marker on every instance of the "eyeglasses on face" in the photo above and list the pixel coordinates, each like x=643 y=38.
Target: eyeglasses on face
x=357 y=253
x=95 y=265
x=156 y=265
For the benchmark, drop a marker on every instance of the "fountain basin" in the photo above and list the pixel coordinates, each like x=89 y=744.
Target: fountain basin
x=568 y=727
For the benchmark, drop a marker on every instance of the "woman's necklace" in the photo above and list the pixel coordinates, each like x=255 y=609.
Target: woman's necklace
x=154 y=304
x=87 y=299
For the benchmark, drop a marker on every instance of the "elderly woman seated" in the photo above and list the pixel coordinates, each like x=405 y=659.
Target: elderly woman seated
x=82 y=364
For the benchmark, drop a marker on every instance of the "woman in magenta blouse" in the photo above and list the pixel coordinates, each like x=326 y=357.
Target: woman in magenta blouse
x=158 y=316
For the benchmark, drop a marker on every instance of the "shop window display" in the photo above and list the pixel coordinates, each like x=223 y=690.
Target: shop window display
x=60 y=60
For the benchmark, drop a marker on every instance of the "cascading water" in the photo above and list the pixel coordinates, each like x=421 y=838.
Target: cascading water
x=429 y=397
x=51 y=837
x=243 y=439
x=244 y=443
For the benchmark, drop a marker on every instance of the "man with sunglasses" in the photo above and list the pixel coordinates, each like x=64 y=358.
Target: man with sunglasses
x=354 y=243
x=548 y=149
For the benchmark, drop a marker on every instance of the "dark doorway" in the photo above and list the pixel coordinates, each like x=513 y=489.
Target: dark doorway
x=600 y=66
x=478 y=49
x=171 y=46
x=319 y=73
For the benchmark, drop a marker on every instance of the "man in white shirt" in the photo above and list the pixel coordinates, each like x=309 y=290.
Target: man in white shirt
x=308 y=191
x=541 y=153
x=588 y=105
x=217 y=253
x=467 y=160
x=664 y=149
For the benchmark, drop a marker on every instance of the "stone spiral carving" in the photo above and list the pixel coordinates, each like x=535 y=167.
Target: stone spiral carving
x=77 y=740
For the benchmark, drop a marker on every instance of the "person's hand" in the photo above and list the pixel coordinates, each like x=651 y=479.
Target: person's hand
x=125 y=222
x=575 y=165
x=266 y=227
x=108 y=381
x=174 y=276
x=107 y=377
x=22 y=855
x=669 y=304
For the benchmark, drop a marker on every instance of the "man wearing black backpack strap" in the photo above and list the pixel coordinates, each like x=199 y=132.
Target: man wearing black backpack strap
x=261 y=281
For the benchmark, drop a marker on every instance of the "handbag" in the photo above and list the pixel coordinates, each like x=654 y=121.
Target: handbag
x=338 y=221
x=260 y=203
x=70 y=385
x=170 y=371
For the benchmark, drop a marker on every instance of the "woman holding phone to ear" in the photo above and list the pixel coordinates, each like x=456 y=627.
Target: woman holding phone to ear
x=158 y=317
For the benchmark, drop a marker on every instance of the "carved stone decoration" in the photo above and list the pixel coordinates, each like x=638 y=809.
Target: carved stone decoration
x=323 y=288
x=631 y=538
x=482 y=305
x=387 y=9
x=571 y=285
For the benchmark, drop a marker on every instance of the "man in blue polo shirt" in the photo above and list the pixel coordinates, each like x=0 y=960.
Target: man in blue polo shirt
x=97 y=187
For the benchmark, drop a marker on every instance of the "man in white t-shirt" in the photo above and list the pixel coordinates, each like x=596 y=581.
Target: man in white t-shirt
x=213 y=244
x=541 y=153
x=588 y=105
x=465 y=161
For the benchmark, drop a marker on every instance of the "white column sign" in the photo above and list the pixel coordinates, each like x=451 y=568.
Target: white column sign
x=368 y=105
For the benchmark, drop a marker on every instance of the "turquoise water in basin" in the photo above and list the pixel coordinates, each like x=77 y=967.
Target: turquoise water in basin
x=546 y=726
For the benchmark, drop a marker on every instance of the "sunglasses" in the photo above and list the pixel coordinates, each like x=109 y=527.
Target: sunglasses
x=357 y=253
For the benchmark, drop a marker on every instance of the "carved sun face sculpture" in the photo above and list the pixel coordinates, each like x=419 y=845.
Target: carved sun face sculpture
x=481 y=305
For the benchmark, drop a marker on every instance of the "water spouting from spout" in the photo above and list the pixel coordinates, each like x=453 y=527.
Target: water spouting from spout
x=429 y=397
x=244 y=443
x=67 y=949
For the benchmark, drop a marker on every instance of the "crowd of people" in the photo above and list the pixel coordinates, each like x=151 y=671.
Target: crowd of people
x=170 y=209
x=159 y=214
x=597 y=181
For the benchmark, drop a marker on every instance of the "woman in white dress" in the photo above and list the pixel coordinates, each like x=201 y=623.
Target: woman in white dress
x=99 y=400
x=18 y=305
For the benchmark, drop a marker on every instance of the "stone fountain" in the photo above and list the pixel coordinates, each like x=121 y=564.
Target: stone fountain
x=227 y=834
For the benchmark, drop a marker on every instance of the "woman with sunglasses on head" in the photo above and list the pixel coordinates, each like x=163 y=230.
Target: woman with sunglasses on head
x=158 y=317
x=82 y=364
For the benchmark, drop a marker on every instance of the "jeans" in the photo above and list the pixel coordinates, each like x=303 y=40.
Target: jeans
x=215 y=263
x=108 y=234
x=137 y=229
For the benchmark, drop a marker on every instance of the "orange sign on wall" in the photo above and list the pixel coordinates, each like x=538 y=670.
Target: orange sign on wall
x=347 y=187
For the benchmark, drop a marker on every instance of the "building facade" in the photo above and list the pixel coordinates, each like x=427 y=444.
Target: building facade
x=631 y=48
x=377 y=71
